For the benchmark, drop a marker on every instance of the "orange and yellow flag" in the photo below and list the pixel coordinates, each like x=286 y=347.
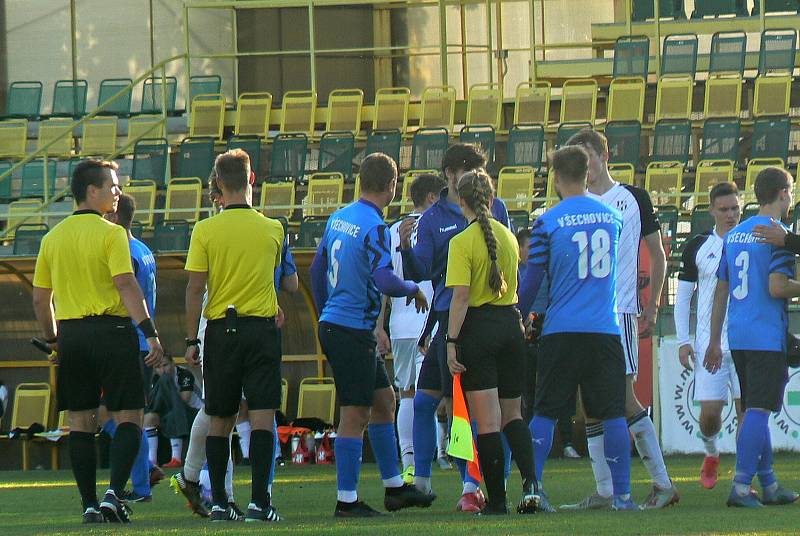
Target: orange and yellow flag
x=462 y=444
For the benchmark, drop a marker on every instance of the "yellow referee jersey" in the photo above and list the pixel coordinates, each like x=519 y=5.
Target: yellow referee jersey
x=78 y=260
x=468 y=264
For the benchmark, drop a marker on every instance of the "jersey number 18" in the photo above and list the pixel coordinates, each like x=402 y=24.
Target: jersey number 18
x=600 y=261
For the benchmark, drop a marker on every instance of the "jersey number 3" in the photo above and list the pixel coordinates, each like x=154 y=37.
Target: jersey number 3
x=600 y=260
x=743 y=263
x=333 y=274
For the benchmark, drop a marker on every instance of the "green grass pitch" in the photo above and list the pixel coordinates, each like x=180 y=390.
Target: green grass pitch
x=46 y=503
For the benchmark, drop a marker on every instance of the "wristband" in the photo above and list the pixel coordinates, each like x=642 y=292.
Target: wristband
x=148 y=328
x=192 y=342
x=452 y=340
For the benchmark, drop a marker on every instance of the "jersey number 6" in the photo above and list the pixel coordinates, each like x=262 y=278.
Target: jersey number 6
x=600 y=261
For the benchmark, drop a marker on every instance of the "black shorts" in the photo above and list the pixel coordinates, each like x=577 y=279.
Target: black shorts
x=99 y=355
x=248 y=361
x=762 y=378
x=492 y=348
x=358 y=370
x=435 y=374
x=593 y=361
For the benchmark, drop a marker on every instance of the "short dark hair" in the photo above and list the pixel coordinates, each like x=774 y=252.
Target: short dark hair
x=464 y=156
x=769 y=183
x=233 y=170
x=523 y=234
x=590 y=138
x=126 y=207
x=377 y=172
x=89 y=172
x=721 y=189
x=570 y=163
x=424 y=184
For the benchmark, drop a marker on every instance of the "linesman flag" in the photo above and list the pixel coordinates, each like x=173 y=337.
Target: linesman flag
x=462 y=444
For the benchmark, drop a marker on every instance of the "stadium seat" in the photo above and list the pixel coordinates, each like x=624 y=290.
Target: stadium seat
x=144 y=194
x=171 y=235
x=519 y=220
x=28 y=239
x=567 y=130
x=624 y=173
x=277 y=195
x=428 y=148
x=749 y=210
x=207 y=116
x=679 y=55
x=13 y=138
x=723 y=96
x=715 y=8
x=674 y=98
x=34 y=183
x=317 y=398
x=5 y=182
x=344 y=111
x=727 y=54
x=325 y=192
x=663 y=181
x=153 y=94
x=31 y=406
x=52 y=130
x=311 y=230
x=720 y=140
x=671 y=142
x=778 y=51
x=252 y=114
x=773 y=6
x=754 y=167
x=624 y=141
x=438 y=108
x=249 y=144
x=525 y=146
x=144 y=126
x=24 y=100
x=183 y=199
x=770 y=138
x=284 y=395
x=405 y=202
x=532 y=103
x=515 y=187
x=69 y=98
x=702 y=221
x=391 y=109
x=195 y=158
x=385 y=141
x=109 y=87
x=668 y=9
x=298 y=109
x=579 y=101
x=631 y=56
x=709 y=173
x=207 y=84
x=23 y=211
x=772 y=94
x=99 y=137
x=336 y=152
x=288 y=159
x=485 y=105
x=668 y=220
x=151 y=161
x=137 y=229
x=626 y=99
x=480 y=135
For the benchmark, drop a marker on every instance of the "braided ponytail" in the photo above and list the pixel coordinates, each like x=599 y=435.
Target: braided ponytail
x=476 y=189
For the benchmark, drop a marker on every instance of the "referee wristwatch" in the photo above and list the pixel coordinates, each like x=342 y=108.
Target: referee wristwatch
x=453 y=340
x=192 y=342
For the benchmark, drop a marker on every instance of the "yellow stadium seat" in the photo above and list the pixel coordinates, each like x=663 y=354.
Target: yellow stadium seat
x=579 y=101
x=674 y=98
x=252 y=114
x=532 y=103
x=485 y=105
x=406 y=204
x=344 y=111
x=515 y=187
x=207 y=116
x=99 y=137
x=284 y=395
x=709 y=173
x=277 y=195
x=23 y=211
x=298 y=111
x=772 y=93
x=391 y=109
x=326 y=189
x=723 y=97
x=31 y=405
x=183 y=199
x=13 y=138
x=626 y=99
x=438 y=107
x=551 y=195
x=624 y=173
x=144 y=194
x=664 y=180
x=317 y=398
x=51 y=129
x=754 y=167
x=144 y=126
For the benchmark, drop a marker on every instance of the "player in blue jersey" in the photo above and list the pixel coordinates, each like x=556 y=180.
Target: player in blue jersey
x=575 y=244
x=427 y=260
x=351 y=270
x=755 y=280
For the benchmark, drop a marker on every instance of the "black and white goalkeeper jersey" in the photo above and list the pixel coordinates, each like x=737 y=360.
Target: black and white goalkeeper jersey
x=638 y=220
x=699 y=263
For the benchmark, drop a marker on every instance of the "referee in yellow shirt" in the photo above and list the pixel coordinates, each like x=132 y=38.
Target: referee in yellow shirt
x=235 y=254
x=485 y=341
x=84 y=266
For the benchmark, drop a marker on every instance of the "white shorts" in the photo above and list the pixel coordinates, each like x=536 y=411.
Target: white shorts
x=407 y=363
x=629 y=333
x=712 y=387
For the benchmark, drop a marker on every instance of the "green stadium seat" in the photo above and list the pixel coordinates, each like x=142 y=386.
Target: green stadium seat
x=520 y=219
x=770 y=138
x=671 y=141
x=28 y=239
x=750 y=209
x=715 y=8
x=110 y=87
x=195 y=158
x=668 y=9
x=720 y=140
x=728 y=53
x=288 y=159
x=481 y=135
x=631 y=56
x=336 y=153
x=24 y=100
x=525 y=146
x=33 y=178
x=701 y=220
x=311 y=230
x=668 y=219
x=204 y=85
x=428 y=148
x=386 y=142
x=567 y=130
x=69 y=98
x=624 y=141
x=152 y=98
x=151 y=161
x=776 y=6
x=249 y=144
x=679 y=56
x=171 y=235
x=5 y=183
x=778 y=50
x=137 y=229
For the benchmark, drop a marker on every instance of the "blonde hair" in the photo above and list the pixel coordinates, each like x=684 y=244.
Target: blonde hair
x=476 y=190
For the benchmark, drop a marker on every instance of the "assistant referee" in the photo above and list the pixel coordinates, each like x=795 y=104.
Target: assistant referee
x=84 y=266
x=235 y=255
